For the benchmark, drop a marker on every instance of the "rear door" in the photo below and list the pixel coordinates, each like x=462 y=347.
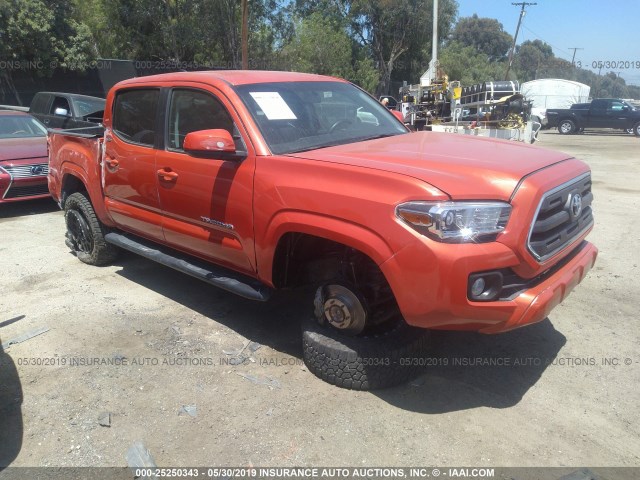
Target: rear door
x=129 y=164
x=207 y=203
x=598 y=117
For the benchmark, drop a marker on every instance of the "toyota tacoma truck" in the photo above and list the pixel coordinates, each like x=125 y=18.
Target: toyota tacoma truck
x=257 y=181
x=600 y=113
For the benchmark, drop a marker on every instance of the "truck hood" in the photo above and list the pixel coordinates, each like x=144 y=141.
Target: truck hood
x=18 y=148
x=462 y=166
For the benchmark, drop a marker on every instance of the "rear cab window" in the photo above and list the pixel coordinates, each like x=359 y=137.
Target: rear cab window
x=134 y=116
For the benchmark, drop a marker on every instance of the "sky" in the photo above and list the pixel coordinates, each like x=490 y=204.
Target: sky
x=607 y=30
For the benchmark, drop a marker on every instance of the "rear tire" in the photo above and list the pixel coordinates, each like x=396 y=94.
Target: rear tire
x=85 y=233
x=369 y=362
x=566 y=127
x=636 y=129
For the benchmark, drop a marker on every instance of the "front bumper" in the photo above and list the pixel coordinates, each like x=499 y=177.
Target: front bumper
x=535 y=304
x=18 y=182
x=430 y=280
x=438 y=300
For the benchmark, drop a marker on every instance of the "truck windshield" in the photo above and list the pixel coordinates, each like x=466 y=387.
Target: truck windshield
x=295 y=117
x=20 y=126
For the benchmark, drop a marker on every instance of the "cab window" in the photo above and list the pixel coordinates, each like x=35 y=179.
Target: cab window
x=616 y=107
x=60 y=102
x=193 y=110
x=134 y=116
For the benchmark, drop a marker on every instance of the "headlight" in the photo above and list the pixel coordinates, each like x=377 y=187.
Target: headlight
x=456 y=222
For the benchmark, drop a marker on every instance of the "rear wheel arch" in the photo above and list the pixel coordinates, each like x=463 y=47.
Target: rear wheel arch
x=71 y=183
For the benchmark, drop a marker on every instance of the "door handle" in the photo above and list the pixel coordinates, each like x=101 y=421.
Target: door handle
x=167 y=175
x=112 y=162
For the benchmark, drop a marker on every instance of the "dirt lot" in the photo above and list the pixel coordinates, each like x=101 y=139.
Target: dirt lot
x=574 y=402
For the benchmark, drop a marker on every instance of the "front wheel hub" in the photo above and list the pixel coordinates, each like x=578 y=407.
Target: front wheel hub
x=342 y=308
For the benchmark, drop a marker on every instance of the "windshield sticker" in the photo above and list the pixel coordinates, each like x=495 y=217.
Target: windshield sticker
x=273 y=106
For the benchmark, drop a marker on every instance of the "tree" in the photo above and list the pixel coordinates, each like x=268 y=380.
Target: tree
x=485 y=35
x=40 y=35
x=320 y=46
x=530 y=57
x=466 y=64
x=392 y=30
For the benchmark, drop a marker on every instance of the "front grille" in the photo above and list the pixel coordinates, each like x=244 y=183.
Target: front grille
x=27 y=191
x=28 y=171
x=563 y=215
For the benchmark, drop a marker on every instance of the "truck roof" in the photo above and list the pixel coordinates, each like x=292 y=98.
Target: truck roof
x=232 y=77
x=68 y=94
x=14 y=113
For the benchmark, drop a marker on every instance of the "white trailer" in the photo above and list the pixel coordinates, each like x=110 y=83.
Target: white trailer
x=553 y=93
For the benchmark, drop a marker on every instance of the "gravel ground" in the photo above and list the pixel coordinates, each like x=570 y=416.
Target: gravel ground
x=206 y=378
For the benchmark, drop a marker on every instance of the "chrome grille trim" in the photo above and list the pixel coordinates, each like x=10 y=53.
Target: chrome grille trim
x=554 y=226
x=26 y=171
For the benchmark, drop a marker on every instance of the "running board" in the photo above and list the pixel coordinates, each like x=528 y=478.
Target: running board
x=220 y=277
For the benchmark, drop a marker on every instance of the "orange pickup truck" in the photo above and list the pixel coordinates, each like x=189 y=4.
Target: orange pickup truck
x=255 y=181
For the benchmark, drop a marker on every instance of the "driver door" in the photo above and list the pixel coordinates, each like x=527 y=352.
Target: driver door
x=207 y=203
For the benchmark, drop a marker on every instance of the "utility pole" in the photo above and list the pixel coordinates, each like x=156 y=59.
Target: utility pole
x=574 y=54
x=434 y=39
x=515 y=38
x=432 y=72
x=245 y=35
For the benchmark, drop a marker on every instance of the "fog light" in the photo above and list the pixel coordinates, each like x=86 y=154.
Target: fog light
x=478 y=287
x=485 y=286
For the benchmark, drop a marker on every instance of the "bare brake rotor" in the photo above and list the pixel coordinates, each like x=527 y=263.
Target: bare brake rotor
x=341 y=307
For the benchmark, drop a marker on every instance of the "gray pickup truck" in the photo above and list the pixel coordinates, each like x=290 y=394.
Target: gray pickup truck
x=67 y=110
x=600 y=113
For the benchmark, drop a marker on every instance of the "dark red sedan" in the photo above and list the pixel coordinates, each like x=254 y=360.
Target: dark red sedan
x=23 y=157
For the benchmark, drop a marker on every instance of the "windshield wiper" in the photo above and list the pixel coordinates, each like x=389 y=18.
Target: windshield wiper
x=318 y=147
x=346 y=141
x=375 y=137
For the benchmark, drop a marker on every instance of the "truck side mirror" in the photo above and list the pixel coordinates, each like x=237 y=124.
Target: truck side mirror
x=63 y=112
x=215 y=143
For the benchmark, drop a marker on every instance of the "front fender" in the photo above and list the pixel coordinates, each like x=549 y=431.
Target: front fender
x=333 y=229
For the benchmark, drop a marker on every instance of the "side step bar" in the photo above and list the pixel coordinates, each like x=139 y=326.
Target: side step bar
x=220 y=277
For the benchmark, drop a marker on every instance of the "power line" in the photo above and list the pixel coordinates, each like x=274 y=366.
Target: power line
x=550 y=44
x=515 y=38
